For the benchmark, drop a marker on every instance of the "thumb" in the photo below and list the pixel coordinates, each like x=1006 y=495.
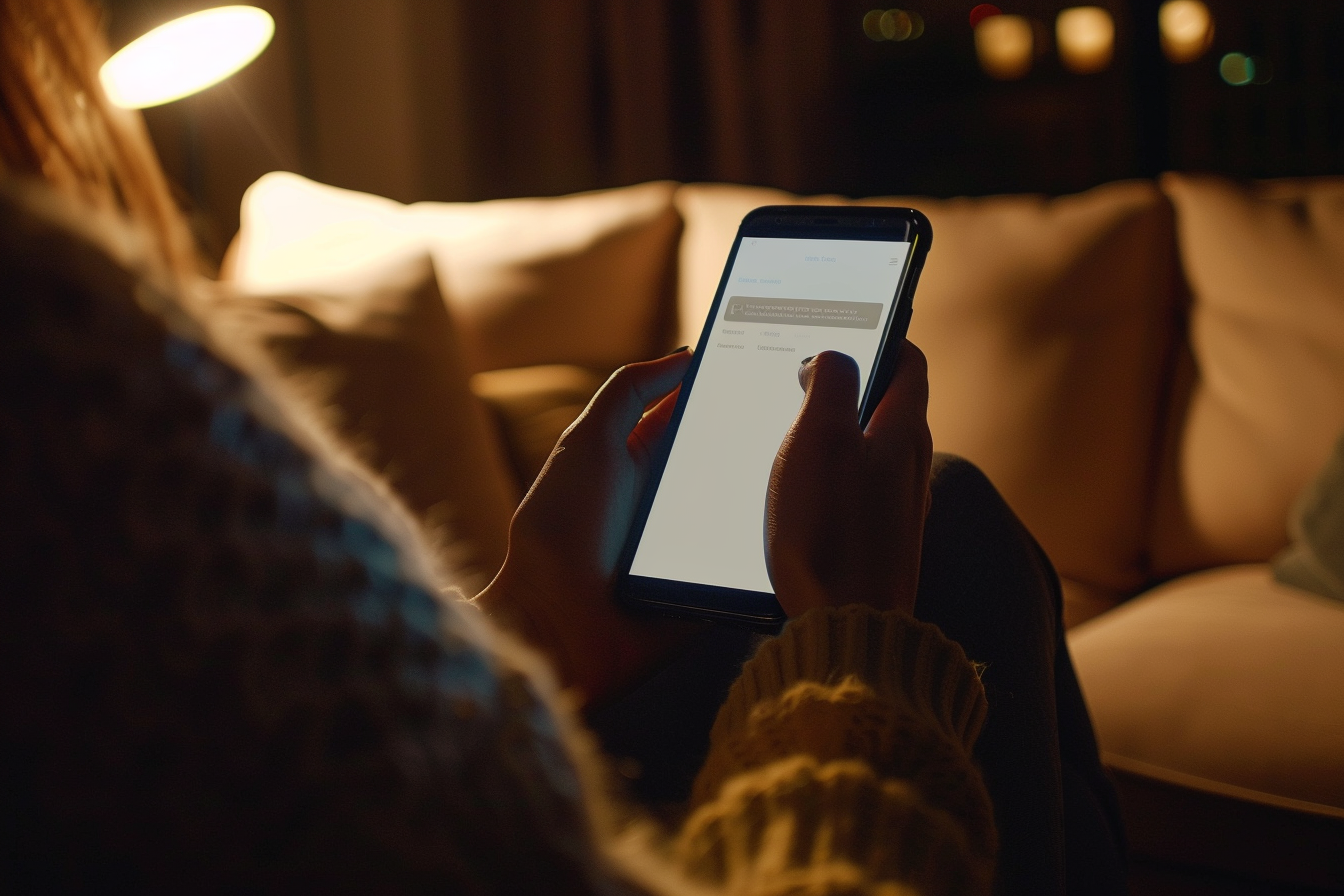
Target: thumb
x=826 y=427
x=617 y=407
x=831 y=380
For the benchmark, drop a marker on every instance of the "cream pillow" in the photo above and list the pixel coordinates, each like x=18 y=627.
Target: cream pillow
x=583 y=279
x=379 y=360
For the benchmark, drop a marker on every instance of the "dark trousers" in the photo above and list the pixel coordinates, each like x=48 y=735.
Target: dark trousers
x=987 y=584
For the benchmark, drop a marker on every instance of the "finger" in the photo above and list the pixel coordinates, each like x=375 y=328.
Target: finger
x=832 y=403
x=617 y=407
x=828 y=421
x=650 y=428
x=904 y=407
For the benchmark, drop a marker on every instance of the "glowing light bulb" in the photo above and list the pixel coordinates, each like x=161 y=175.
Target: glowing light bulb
x=1086 y=38
x=1187 y=29
x=1004 y=45
x=186 y=55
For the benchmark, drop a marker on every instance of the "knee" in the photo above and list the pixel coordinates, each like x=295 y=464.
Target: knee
x=955 y=482
x=971 y=531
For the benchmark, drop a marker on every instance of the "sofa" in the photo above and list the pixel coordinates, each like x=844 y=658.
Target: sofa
x=1150 y=372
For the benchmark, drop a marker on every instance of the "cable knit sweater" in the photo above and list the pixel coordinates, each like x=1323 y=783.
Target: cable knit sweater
x=841 y=763
x=227 y=663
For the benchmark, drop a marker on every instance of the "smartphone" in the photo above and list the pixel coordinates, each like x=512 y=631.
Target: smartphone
x=799 y=280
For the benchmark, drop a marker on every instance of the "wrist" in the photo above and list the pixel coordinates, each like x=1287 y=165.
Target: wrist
x=508 y=602
x=799 y=589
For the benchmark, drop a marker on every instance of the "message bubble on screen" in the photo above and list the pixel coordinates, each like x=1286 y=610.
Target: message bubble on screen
x=805 y=312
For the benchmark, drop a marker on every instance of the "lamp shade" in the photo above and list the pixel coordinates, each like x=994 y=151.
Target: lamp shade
x=186 y=55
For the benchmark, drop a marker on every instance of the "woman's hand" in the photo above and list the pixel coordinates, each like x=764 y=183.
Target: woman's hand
x=845 y=509
x=556 y=586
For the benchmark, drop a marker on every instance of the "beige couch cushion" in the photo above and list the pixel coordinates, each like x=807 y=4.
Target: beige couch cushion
x=533 y=406
x=583 y=279
x=1049 y=327
x=1224 y=681
x=377 y=356
x=1262 y=394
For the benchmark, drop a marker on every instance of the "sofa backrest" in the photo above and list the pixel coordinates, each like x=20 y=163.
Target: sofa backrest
x=1050 y=327
x=1258 y=399
x=1056 y=331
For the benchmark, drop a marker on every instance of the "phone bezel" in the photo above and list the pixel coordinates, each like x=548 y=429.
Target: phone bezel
x=756 y=609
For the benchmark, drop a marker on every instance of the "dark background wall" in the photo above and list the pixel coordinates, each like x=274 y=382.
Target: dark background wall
x=463 y=99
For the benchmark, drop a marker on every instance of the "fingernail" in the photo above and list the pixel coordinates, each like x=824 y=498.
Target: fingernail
x=805 y=372
x=677 y=351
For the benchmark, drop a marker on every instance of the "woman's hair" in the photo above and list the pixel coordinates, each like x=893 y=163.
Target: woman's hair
x=57 y=124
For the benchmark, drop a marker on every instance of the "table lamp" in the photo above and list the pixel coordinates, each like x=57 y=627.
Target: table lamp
x=186 y=55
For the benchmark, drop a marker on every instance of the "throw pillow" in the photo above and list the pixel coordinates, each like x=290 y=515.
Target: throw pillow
x=1315 y=559
x=380 y=360
x=583 y=279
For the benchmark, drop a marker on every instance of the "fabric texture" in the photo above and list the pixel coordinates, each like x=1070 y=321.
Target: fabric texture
x=1050 y=328
x=849 y=708
x=985 y=583
x=1259 y=396
x=226 y=665
x=379 y=355
x=1315 y=560
x=284 y=697
x=582 y=279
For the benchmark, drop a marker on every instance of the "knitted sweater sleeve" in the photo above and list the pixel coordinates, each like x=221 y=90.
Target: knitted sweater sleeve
x=840 y=763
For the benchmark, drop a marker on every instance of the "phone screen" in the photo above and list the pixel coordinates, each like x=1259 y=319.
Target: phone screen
x=784 y=300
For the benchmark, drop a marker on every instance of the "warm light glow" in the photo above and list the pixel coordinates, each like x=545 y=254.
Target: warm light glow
x=896 y=24
x=916 y=26
x=893 y=24
x=1004 y=45
x=1086 y=38
x=872 y=24
x=186 y=55
x=982 y=12
x=1187 y=29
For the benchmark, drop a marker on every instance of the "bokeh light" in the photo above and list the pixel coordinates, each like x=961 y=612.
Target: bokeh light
x=1004 y=44
x=893 y=24
x=1186 y=27
x=896 y=24
x=872 y=24
x=186 y=55
x=1086 y=39
x=982 y=12
x=1237 y=69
